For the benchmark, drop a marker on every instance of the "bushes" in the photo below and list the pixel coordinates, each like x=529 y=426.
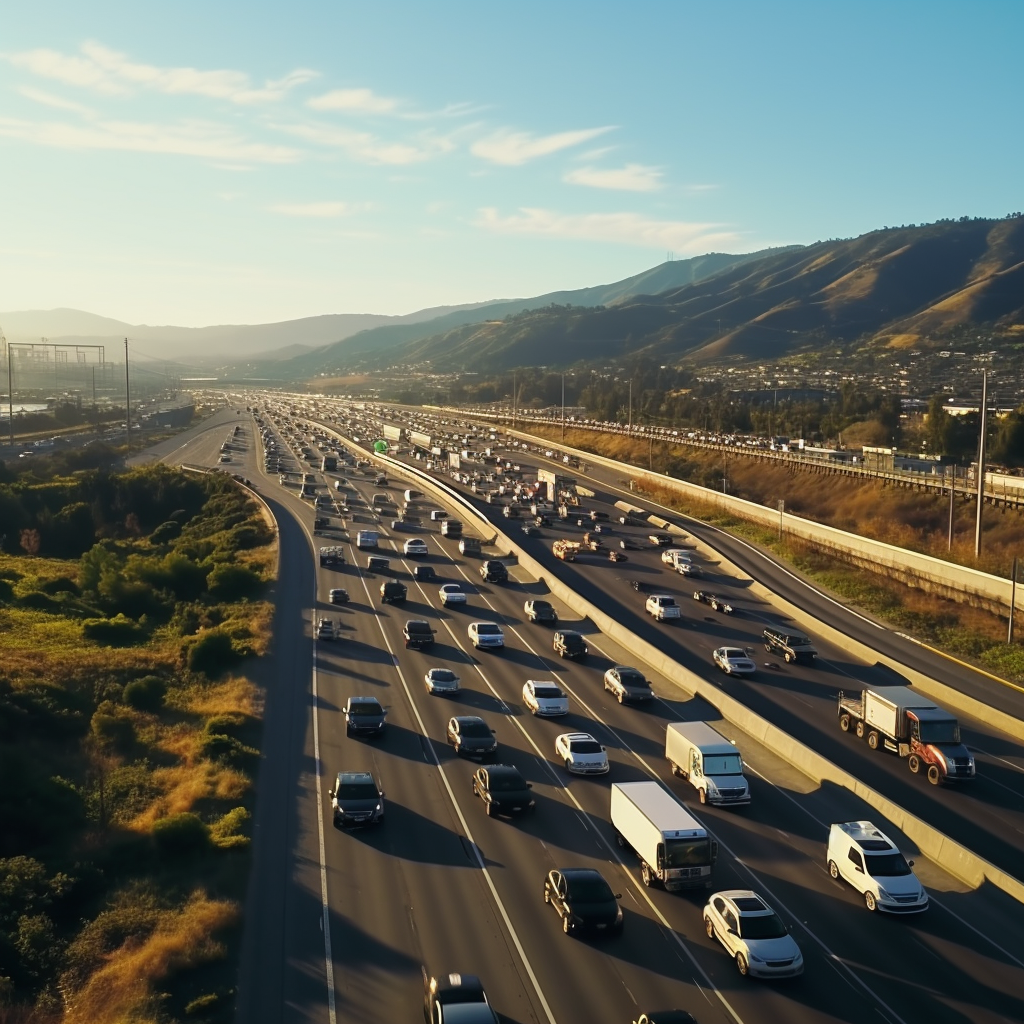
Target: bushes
x=212 y=653
x=233 y=582
x=145 y=694
x=166 y=532
x=228 y=831
x=112 y=731
x=116 y=632
x=181 y=835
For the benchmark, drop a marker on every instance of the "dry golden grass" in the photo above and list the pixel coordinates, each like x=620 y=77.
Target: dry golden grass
x=902 y=340
x=852 y=287
x=326 y=383
x=234 y=695
x=123 y=991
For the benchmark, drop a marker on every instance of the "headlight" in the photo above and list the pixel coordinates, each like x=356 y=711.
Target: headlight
x=756 y=959
x=618 y=915
x=882 y=894
x=377 y=809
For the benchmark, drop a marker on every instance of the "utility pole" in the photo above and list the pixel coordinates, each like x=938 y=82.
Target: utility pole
x=782 y=510
x=630 y=427
x=127 y=406
x=952 y=500
x=10 y=392
x=563 y=406
x=1013 y=601
x=514 y=397
x=981 y=462
x=95 y=407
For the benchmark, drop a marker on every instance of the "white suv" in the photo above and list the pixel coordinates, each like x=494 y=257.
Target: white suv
x=865 y=857
x=486 y=634
x=752 y=934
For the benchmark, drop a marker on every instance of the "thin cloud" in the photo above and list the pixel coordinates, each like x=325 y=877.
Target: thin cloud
x=622 y=228
x=370 y=149
x=58 y=102
x=358 y=101
x=321 y=210
x=106 y=71
x=702 y=188
x=631 y=178
x=197 y=139
x=514 y=148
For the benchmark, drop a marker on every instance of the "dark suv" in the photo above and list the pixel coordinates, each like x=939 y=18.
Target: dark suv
x=792 y=646
x=418 y=634
x=570 y=644
x=493 y=571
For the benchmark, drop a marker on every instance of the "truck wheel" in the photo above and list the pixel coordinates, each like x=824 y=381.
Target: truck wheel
x=566 y=926
x=789 y=658
x=621 y=697
x=487 y=808
x=914 y=763
x=767 y=647
x=934 y=775
x=873 y=740
x=547 y=895
x=709 y=927
x=860 y=730
x=703 y=796
x=645 y=875
x=844 y=723
x=869 y=900
x=833 y=869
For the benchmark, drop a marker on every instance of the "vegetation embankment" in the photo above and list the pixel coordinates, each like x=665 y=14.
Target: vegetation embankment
x=911 y=519
x=127 y=742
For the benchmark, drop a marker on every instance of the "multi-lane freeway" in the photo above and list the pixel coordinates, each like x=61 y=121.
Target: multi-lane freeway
x=340 y=924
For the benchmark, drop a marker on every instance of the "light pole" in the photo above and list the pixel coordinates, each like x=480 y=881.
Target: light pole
x=1013 y=601
x=782 y=509
x=981 y=462
x=563 y=406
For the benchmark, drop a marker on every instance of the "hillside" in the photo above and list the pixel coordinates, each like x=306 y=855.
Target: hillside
x=895 y=287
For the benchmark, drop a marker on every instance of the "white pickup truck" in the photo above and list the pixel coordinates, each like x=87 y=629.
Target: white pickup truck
x=662 y=607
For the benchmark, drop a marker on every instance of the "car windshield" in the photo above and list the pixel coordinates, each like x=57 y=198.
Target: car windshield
x=630 y=677
x=475 y=730
x=735 y=653
x=364 y=709
x=585 y=747
x=723 y=764
x=547 y=691
x=541 y=606
x=589 y=890
x=441 y=675
x=357 y=791
x=505 y=783
x=687 y=853
x=769 y=926
x=886 y=865
x=487 y=629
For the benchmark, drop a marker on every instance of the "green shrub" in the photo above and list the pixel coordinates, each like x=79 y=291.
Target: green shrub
x=116 y=632
x=225 y=725
x=166 y=532
x=111 y=730
x=181 y=835
x=227 y=750
x=228 y=582
x=212 y=653
x=145 y=694
x=60 y=585
x=40 y=602
x=228 y=832
x=6 y=592
x=202 y=1005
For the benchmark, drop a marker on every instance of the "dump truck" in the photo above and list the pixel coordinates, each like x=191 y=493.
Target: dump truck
x=566 y=550
x=902 y=721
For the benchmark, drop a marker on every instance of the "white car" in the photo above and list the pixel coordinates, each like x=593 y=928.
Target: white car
x=414 y=547
x=752 y=934
x=441 y=680
x=486 y=634
x=452 y=593
x=545 y=698
x=870 y=861
x=669 y=555
x=581 y=753
x=734 y=661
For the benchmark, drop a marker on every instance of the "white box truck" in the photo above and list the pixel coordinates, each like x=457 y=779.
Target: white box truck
x=674 y=848
x=710 y=762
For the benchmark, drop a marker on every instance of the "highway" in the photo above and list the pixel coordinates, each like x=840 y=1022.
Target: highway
x=339 y=923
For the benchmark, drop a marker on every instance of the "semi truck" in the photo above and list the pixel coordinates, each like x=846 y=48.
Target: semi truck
x=566 y=550
x=712 y=764
x=905 y=723
x=674 y=848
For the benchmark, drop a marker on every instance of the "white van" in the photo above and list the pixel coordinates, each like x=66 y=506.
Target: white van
x=710 y=762
x=865 y=857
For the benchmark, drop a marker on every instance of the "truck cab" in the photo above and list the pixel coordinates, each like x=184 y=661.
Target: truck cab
x=662 y=607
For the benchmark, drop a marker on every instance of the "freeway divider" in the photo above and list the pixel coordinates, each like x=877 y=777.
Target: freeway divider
x=950 y=855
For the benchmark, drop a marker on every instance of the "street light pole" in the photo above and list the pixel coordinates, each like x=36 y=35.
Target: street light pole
x=563 y=406
x=981 y=462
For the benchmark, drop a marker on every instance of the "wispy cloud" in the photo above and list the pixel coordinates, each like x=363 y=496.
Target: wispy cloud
x=631 y=178
x=357 y=101
x=106 y=71
x=368 y=148
x=702 y=188
x=515 y=148
x=198 y=139
x=323 y=209
x=49 y=100
x=623 y=228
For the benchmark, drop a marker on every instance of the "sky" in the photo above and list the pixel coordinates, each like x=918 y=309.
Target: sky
x=211 y=163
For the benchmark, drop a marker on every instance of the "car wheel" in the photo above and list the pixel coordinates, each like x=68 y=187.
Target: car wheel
x=709 y=927
x=833 y=869
x=568 y=764
x=566 y=925
x=869 y=900
x=914 y=763
x=741 y=964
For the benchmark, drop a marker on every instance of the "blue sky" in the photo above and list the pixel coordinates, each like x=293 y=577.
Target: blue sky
x=202 y=163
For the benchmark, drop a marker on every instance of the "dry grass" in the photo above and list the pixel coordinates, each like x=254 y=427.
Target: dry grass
x=124 y=990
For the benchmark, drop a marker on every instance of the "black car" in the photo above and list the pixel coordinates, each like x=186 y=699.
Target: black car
x=541 y=611
x=392 y=592
x=503 y=790
x=627 y=684
x=791 y=646
x=364 y=716
x=338 y=595
x=584 y=901
x=493 y=571
x=418 y=634
x=357 y=800
x=463 y=994
x=472 y=737
x=570 y=644
x=424 y=572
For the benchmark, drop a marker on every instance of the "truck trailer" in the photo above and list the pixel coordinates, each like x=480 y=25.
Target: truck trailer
x=903 y=722
x=674 y=848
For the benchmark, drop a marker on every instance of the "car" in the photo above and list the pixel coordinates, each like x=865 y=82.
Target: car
x=669 y=555
x=393 y=592
x=503 y=790
x=356 y=799
x=627 y=684
x=338 y=595
x=451 y=594
x=493 y=571
x=690 y=569
x=225 y=458
x=734 y=661
x=326 y=629
x=545 y=698
x=472 y=737
x=716 y=603
x=568 y=643
x=415 y=547
x=486 y=634
x=424 y=573
x=752 y=934
x=418 y=633
x=540 y=611
x=461 y=994
x=584 y=901
x=792 y=646
x=870 y=861
x=581 y=753
x=364 y=716
x=529 y=530
x=441 y=680
x=660 y=540
x=666 y=1017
